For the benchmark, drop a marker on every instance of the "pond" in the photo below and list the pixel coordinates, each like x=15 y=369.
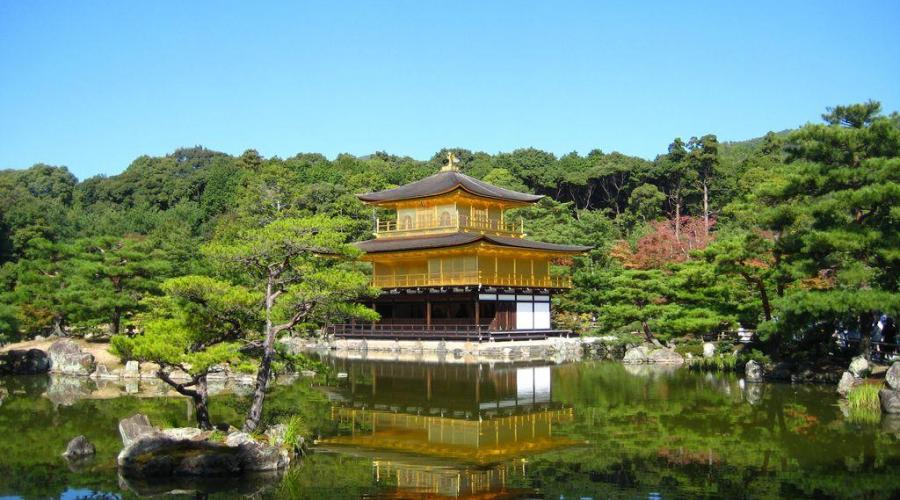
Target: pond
x=536 y=430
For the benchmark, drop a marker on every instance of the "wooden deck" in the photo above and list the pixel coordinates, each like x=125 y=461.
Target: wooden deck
x=463 y=333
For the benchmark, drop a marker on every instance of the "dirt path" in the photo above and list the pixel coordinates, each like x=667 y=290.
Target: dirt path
x=100 y=350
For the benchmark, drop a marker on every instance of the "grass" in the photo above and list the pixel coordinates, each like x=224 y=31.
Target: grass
x=718 y=363
x=864 y=404
x=296 y=430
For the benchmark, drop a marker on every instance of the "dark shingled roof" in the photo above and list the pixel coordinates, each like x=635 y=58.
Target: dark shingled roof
x=459 y=239
x=443 y=182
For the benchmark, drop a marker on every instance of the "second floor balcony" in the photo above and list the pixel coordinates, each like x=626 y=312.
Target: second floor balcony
x=409 y=226
x=470 y=278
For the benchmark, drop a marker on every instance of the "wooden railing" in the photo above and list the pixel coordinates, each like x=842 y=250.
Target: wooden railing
x=469 y=278
x=387 y=228
x=458 y=332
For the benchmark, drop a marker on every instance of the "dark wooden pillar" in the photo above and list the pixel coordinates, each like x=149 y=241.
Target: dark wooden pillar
x=428 y=312
x=477 y=312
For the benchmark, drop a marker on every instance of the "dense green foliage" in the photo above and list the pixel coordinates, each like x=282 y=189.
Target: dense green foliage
x=794 y=234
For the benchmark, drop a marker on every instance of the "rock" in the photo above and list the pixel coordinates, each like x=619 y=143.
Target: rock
x=890 y=401
x=256 y=456
x=275 y=434
x=782 y=371
x=892 y=377
x=848 y=381
x=308 y=373
x=859 y=367
x=635 y=355
x=24 y=362
x=79 y=447
x=183 y=433
x=753 y=372
x=188 y=451
x=132 y=369
x=159 y=455
x=665 y=356
x=133 y=427
x=709 y=349
x=66 y=357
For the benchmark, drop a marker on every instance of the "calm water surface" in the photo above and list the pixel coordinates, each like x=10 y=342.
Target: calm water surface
x=533 y=430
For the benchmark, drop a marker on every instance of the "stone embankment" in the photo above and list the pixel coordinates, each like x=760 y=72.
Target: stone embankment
x=69 y=357
x=553 y=349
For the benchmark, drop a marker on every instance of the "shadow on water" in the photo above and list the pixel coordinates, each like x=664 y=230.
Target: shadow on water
x=499 y=430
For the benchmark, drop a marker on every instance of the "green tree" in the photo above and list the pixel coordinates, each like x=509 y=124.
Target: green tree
x=704 y=158
x=834 y=217
x=43 y=287
x=304 y=269
x=674 y=172
x=196 y=328
x=115 y=274
x=634 y=297
x=645 y=203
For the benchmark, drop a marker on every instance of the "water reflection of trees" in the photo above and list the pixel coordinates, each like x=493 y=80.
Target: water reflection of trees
x=680 y=432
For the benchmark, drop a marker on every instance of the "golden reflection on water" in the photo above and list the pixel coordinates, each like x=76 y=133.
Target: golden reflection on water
x=448 y=431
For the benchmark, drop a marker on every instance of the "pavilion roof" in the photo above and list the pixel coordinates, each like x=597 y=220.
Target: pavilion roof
x=445 y=182
x=460 y=239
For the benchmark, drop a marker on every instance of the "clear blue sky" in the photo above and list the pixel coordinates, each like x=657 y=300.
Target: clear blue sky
x=92 y=85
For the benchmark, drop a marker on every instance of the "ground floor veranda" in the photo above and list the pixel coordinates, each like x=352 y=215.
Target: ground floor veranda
x=460 y=314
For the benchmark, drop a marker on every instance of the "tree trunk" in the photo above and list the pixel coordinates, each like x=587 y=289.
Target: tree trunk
x=647 y=333
x=115 y=321
x=764 y=298
x=254 y=415
x=866 y=325
x=199 y=396
x=678 y=219
x=760 y=286
x=201 y=404
x=706 y=207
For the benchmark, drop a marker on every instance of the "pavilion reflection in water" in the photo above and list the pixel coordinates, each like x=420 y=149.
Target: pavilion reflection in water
x=447 y=430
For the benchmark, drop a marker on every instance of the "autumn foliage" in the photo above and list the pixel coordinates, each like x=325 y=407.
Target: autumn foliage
x=661 y=246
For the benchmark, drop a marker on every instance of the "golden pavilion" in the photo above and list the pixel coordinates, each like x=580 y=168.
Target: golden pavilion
x=453 y=265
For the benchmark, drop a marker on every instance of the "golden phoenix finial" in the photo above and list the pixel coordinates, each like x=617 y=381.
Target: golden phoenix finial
x=452 y=160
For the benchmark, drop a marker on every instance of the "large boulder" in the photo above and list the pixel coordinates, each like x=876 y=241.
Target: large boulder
x=79 y=448
x=24 y=362
x=66 y=357
x=188 y=451
x=709 y=349
x=859 y=367
x=133 y=427
x=635 y=355
x=753 y=372
x=890 y=401
x=848 y=381
x=666 y=357
x=892 y=376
